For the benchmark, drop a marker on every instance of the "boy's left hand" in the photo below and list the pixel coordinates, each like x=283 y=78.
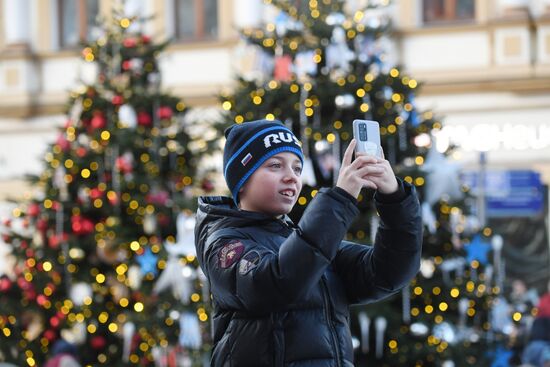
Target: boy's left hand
x=385 y=182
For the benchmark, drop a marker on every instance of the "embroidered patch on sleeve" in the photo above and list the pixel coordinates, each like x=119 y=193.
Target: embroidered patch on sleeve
x=230 y=253
x=249 y=262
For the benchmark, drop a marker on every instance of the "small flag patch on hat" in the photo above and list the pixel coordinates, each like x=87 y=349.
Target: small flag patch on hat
x=246 y=159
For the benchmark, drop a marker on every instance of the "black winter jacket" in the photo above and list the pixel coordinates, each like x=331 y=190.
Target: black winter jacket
x=281 y=291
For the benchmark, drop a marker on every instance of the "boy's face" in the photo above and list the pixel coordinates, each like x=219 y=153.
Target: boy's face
x=274 y=187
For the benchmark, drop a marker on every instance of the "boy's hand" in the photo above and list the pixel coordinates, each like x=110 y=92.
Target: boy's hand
x=355 y=175
x=385 y=181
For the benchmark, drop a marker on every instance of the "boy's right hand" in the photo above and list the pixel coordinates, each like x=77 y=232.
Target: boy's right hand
x=353 y=176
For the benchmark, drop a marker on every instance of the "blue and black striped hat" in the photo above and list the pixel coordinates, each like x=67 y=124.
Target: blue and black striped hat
x=250 y=144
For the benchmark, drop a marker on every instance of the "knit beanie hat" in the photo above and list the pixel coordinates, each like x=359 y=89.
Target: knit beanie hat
x=250 y=144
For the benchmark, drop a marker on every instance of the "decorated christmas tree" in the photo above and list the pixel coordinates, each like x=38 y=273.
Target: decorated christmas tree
x=104 y=252
x=318 y=65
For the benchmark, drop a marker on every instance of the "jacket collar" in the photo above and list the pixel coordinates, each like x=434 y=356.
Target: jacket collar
x=216 y=212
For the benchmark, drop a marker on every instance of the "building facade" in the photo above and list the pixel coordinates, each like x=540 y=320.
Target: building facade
x=484 y=66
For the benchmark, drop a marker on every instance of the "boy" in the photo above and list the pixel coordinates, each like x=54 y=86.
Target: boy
x=280 y=290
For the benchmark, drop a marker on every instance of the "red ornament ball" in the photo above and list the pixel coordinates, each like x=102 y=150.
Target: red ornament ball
x=96 y=193
x=158 y=198
x=98 y=342
x=124 y=165
x=81 y=226
x=54 y=321
x=42 y=224
x=49 y=334
x=113 y=198
x=41 y=300
x=126 y=65
x=5 y=284
x=30 y=294
x=98 y=121
x=33 y=210
x=144 y=119
x=129 y=42
x=55 y=240
x=81 y=152
x=117 y=100
x=207 y=185
x=164 y=112
x=91 y=92
x=63 y=143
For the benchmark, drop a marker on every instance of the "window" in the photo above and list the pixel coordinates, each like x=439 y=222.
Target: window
x=438 y=11
x=196 y=19
x=77 y=21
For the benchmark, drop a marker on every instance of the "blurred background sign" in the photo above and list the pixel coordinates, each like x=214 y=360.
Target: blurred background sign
x=510 y=193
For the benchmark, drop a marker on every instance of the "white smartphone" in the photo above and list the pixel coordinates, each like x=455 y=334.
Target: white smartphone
x=367 y=135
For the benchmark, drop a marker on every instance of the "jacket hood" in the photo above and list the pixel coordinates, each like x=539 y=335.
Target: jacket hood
x=216 y=212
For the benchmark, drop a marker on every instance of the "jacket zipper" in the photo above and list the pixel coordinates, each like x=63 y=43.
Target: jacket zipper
x=288 y=229
x=332 y=329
